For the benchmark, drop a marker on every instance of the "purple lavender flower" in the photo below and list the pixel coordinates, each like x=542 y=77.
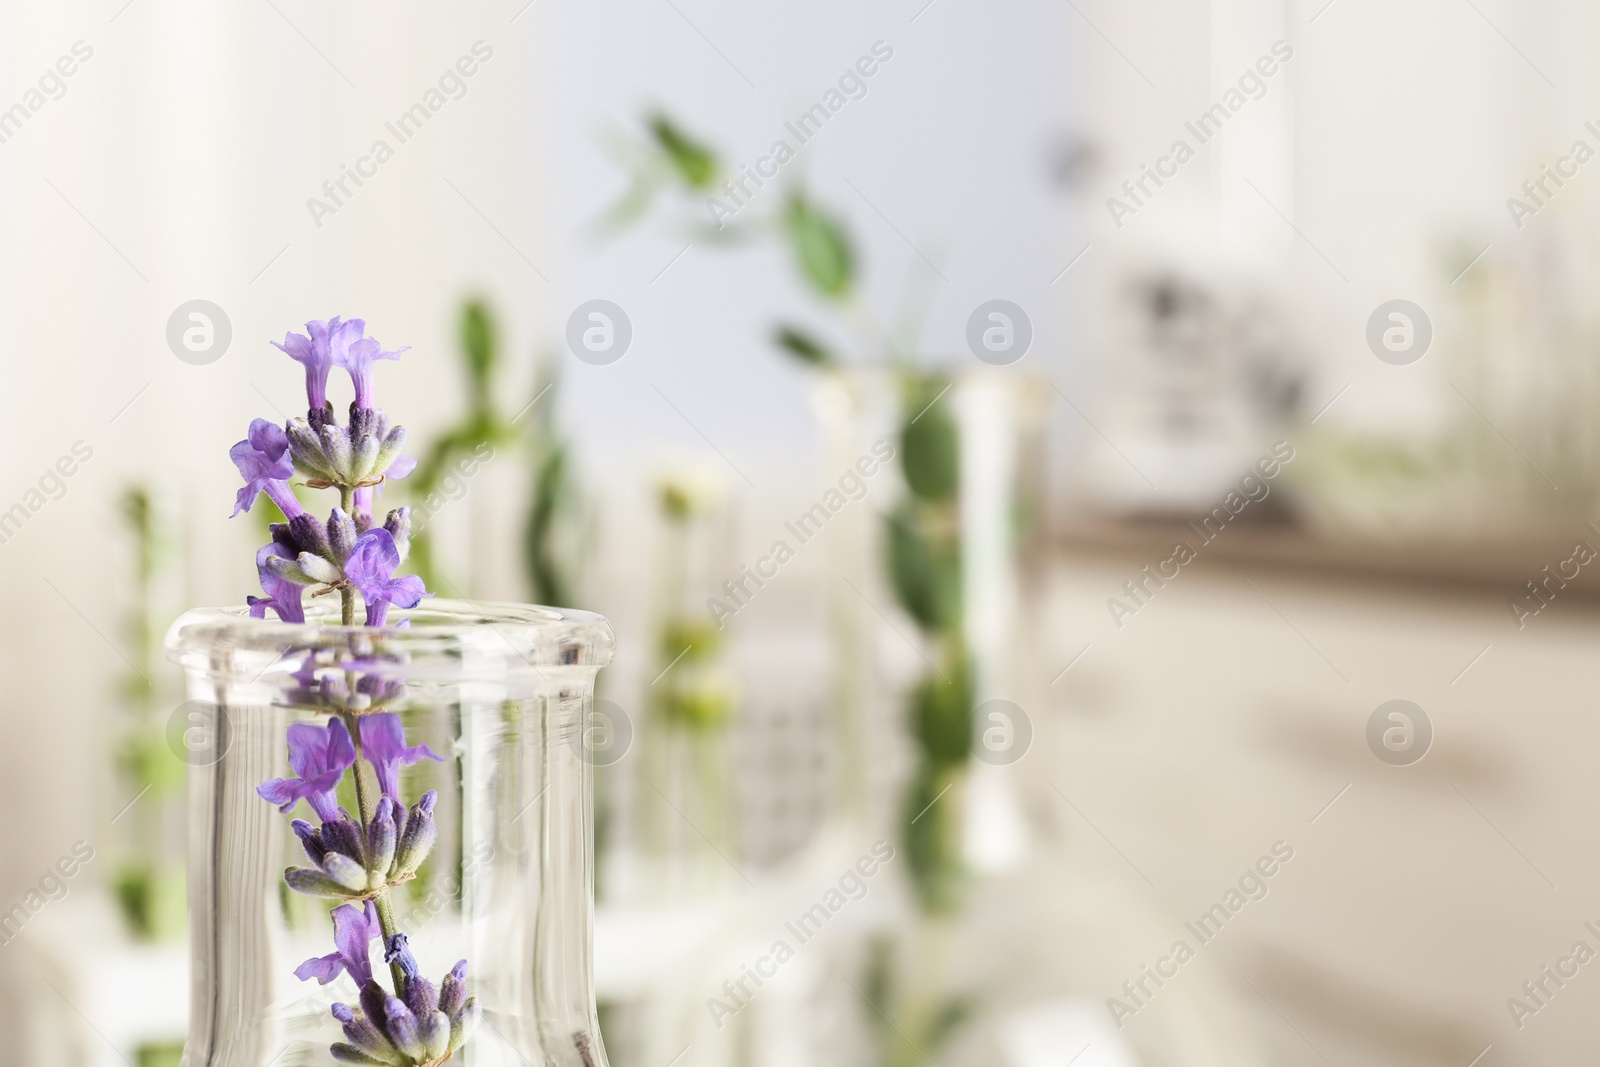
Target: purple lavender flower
x=354 y=858
x=321 y=351
x=419 y=1027
x=263 y=459
x=370 y=569
x=383 y=744
x=357 y=358
x=354 y=930
x=319 y=756
x=283 y=596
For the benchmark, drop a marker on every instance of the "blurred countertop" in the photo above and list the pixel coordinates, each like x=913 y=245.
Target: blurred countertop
x=1504 y=566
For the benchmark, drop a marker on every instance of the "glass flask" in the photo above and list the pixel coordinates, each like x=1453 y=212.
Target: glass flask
x=504 y=695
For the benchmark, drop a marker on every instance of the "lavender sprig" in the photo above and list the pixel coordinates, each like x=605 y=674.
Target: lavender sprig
x=357 y=858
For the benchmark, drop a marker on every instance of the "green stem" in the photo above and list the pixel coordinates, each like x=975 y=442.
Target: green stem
x=365 y=806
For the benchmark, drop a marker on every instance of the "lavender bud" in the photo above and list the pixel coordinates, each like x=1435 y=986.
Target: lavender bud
x=289 y=570
x=373 y=999
x=320 y=569
x=345 y=871
x=320 y=417
x=465 y=1021
x=403 y=1029
x=350 y=1054
x=308 y=534
x=417 y=842
x=283 y=535
x=393 y=442
x=381 y=838
x=363 y=421
x=363 y=456
x=453 y=990
x=310 y=839
x=341 y=535
x=305 y=448
x=399 y=526
x=343 y=835
x=365 y=1035
x=400 y=821
x=421 y=997
x=436 y=1034
x=336 y=450
x=314 y=883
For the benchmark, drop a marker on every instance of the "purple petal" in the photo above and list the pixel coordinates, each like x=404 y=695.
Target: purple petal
x=269 y=439
x=358 y=358
x=262 y=458
x=371 y=563
x=320 y=756
x=383 y=738
x=315 y=752
x=360 y=353
x=353 y=931
x=341 y=336
x=377 y=613
x=246 y=497
x=402 y=466
x=280 y=791
x=407 y=592
x=418 y=753
x=319 y=350
x=324 y=969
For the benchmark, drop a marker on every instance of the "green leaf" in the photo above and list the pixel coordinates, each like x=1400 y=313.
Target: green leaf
x=539 y=557
x=696 y=707
x=941 y=714
x=947 y=1020
x=695 y=640
x=925 y=573
x=803 y=346
x=933 y=839
x=478 y=346
x=694 y=162
x=930 y=446
x=821 y=247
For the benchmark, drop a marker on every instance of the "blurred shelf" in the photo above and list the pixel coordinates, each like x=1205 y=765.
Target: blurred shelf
x=1501 y=567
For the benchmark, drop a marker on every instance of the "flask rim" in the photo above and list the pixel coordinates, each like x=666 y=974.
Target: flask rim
x=440 y=637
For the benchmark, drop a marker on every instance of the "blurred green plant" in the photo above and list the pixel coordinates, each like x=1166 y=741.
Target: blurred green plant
x=921 y=537
x=159 y=1055
x=148 y=874
x=691 y=700
x=546 y=565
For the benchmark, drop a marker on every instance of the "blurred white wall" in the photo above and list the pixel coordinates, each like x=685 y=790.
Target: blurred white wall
x=177 y=166
x=942 y=170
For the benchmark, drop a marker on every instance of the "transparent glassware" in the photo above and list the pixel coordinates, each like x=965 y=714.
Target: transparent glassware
x=505 y=694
